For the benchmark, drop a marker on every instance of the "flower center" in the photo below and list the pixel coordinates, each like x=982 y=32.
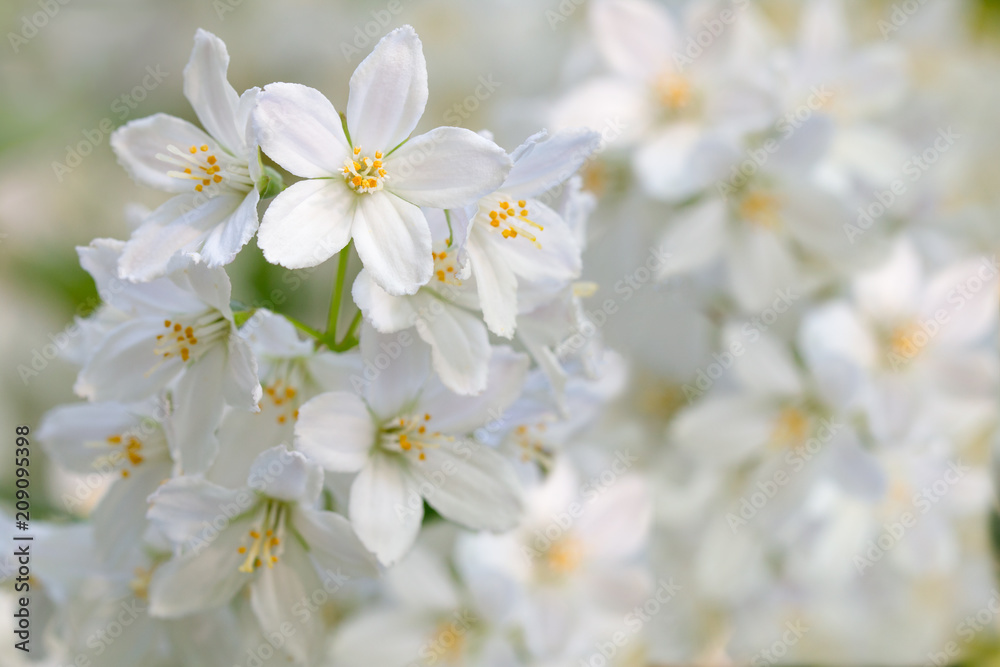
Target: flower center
x=189 y=341
x=410 y=435
x=265 y=538
x=128 y=450
x=903 y=340
x=363 y=173
x=673 y=91
x=531 y=445
x=206 y=171
x=284 y=397
x=564 y=556
x=445 y=267
x=791 y=428
x=513 y=221
x=761 y=209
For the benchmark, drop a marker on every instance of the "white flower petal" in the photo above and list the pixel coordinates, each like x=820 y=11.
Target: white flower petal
x=616 y=524
x=387 y=313
x=448 y=167
x=385 y=508
x=240 y=385
x=225 y=241
x=402 y=364
x=197 y=411
x=299 y=129
x=210 y=284
x=543 y=161
x=138 y=142
x=184 y=508
x=694 y=239
x=470 y=484
x=507 y=371
x=555 y=263
x=181 y=224
x=495 y=283
x=388 y=92
x=394 y=242
x=101 y=259
x=336 y=430
x=285 y=475
x=277 y=596
x=637 y=37
x=332 y=542
x=761 y=267
x=66 y=430
x=210 y=93
x=724 y=430
x=121 y=368
x=120 y=518
x=308 y=223
x=460 y=346
x=203 y=580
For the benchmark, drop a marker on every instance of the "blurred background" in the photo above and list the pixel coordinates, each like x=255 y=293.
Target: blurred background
x=72 y=72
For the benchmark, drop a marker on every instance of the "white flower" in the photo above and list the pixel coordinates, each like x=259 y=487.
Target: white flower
x=445 y=311
x=112 y=439
x=274 y=541
x=291 y=371
x=567 y=560
x=912 y=350
x=685 y=116
x=176 y=327
x=215 y=175
x=515 y=238
x=366 y=178
x=404 y=439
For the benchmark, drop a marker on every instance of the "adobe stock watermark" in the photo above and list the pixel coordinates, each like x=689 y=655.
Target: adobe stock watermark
x=366 y=34
x=912 y=170
x=463 y=110
x=795 y=460
x=923 y=501
x=448 y=637
x=901 y=14
x=775 y=653
x=122 y=106
x=42 y=357
x=908 y=343
x=711 y=29
x=32 y=24
x=967 y=630
x=750 y=332
x=605 y=651
x=562 y=12
x=561 y=523
x=626 y=287
x=741 y=172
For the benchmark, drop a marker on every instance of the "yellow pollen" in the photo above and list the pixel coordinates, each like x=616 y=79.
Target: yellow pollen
x=193 y=149
x=115 y=439
x=204 y=147
x=791 y=428
x=761 y=209
x=212 y=159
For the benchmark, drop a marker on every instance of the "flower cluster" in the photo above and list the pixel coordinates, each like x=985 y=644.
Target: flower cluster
x=258 y=463
x=790 y=232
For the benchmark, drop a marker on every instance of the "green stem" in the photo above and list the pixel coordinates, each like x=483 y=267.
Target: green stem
x=336 y=297
x=302 y=326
